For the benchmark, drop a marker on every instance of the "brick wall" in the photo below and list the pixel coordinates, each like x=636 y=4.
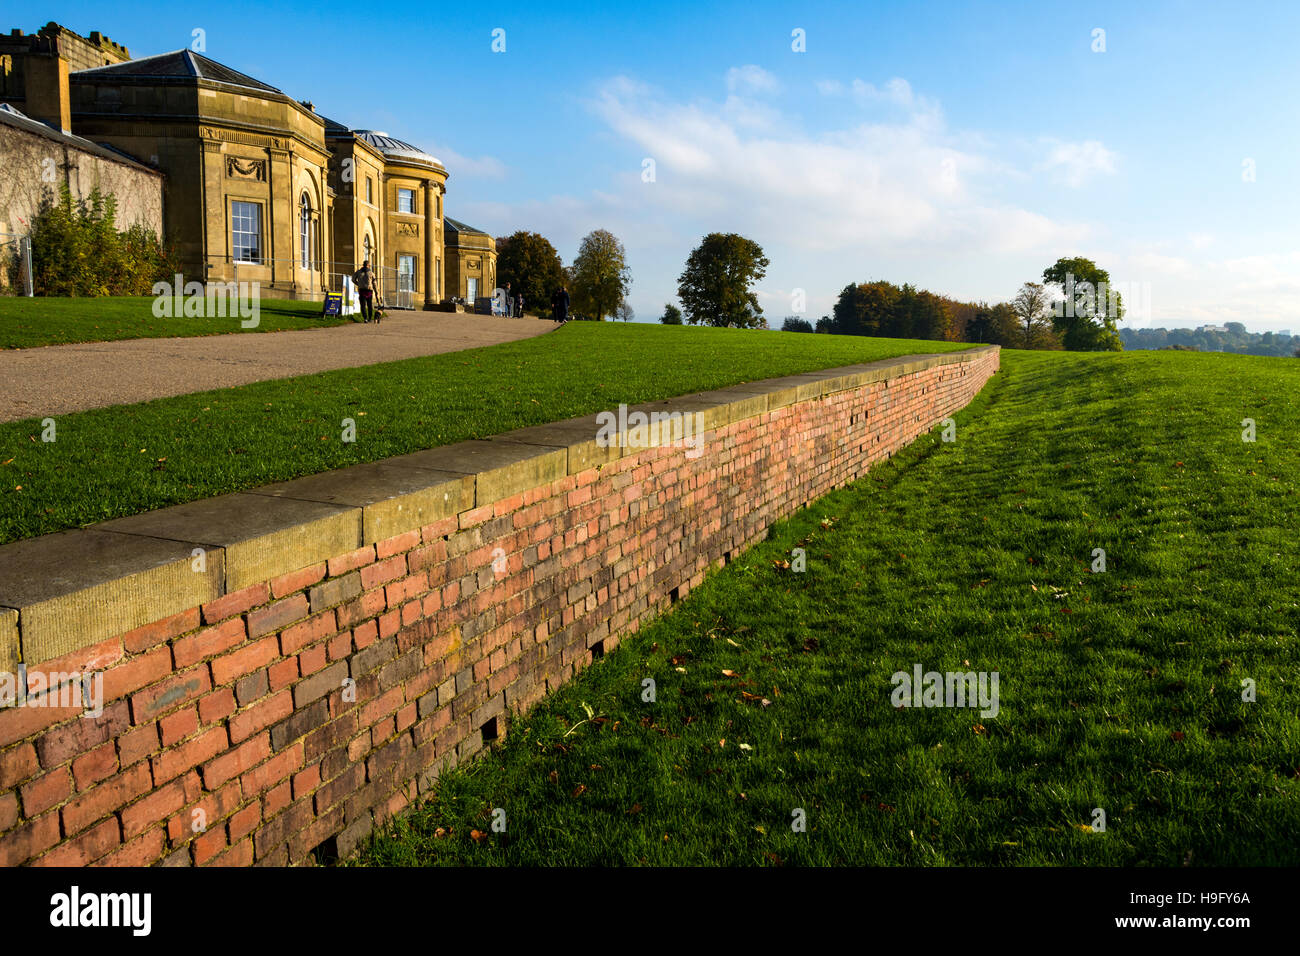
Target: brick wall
x=254 y=726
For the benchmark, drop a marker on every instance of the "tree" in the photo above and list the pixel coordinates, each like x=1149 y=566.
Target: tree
x=77 y=250
x=715 y=286
x=1005 y=324
x=795 y=324
x=980 y=327
x=931 y=318
x=600 y=276
x=1031 y=308
x=531 y=265
x=826 y=325
x=869 y=308
x=672 y=315
x=1087 y=318
x=625 y=312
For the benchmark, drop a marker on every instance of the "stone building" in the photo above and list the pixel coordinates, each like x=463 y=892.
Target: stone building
x=388 y=210
x=245 y=164
x=256 y=185
x=471 y=262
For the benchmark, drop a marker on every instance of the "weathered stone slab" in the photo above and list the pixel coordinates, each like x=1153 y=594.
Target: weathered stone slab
x=709 y=411
x=8 y=640
x=393 y=498
x=501 y=468
x=589 y=443
x=790 y=389
x=263 y=536
x=77 y=588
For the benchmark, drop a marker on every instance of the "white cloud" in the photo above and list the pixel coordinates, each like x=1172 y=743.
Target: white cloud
x=751 y=79
x=896 y=92
x=1154 y=263
x=1074 y=164
x=1277 y=273
x=486 y=167
x=869 y=185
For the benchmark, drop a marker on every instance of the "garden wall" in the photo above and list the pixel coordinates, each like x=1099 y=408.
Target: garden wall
x=279 y=670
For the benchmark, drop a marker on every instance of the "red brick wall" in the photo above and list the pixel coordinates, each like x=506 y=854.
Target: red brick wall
x=235 y=715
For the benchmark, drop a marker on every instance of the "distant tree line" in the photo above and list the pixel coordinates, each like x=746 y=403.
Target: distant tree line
x=1074 y=307
x=1235 y=339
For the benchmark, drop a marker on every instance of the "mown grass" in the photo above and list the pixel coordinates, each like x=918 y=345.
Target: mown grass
x=117 y=461
x=1119 y=690
x=27 y=323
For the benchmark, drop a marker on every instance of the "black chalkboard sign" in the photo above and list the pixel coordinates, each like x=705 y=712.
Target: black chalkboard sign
x=333 y=303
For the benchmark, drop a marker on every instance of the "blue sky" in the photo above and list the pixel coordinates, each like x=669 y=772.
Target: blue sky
x=963 y=147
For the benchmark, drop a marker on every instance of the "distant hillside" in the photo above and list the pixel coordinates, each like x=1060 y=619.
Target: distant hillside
x=1235 y=339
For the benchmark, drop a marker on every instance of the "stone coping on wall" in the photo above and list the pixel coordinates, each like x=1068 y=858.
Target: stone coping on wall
x=63 y=592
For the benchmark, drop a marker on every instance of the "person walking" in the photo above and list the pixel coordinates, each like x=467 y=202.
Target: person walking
x=364 y=280
x=519 y=306
x=560 y=306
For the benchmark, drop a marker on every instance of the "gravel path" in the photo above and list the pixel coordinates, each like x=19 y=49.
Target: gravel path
x=57 y=379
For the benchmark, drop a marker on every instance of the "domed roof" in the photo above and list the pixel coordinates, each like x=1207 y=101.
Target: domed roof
x=396 y=148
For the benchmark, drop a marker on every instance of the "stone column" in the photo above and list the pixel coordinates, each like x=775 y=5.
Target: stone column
x=212 y=242
x=429 y=298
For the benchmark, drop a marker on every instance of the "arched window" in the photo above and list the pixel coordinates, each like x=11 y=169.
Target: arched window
x=369 y=252
x=305 y=230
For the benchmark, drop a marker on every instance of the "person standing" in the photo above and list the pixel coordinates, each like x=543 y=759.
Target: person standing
x=560 y=306
x=364 y=280
x=519 y=305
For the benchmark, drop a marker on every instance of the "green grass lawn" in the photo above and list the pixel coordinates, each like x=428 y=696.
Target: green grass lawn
x=118 y=461
x=26 y=323
x=1119 y=690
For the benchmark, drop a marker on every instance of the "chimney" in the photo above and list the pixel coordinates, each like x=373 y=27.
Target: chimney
x=48 y=96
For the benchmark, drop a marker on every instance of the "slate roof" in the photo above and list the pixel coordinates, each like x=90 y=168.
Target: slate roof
x=455 y=225
x=177 y=64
